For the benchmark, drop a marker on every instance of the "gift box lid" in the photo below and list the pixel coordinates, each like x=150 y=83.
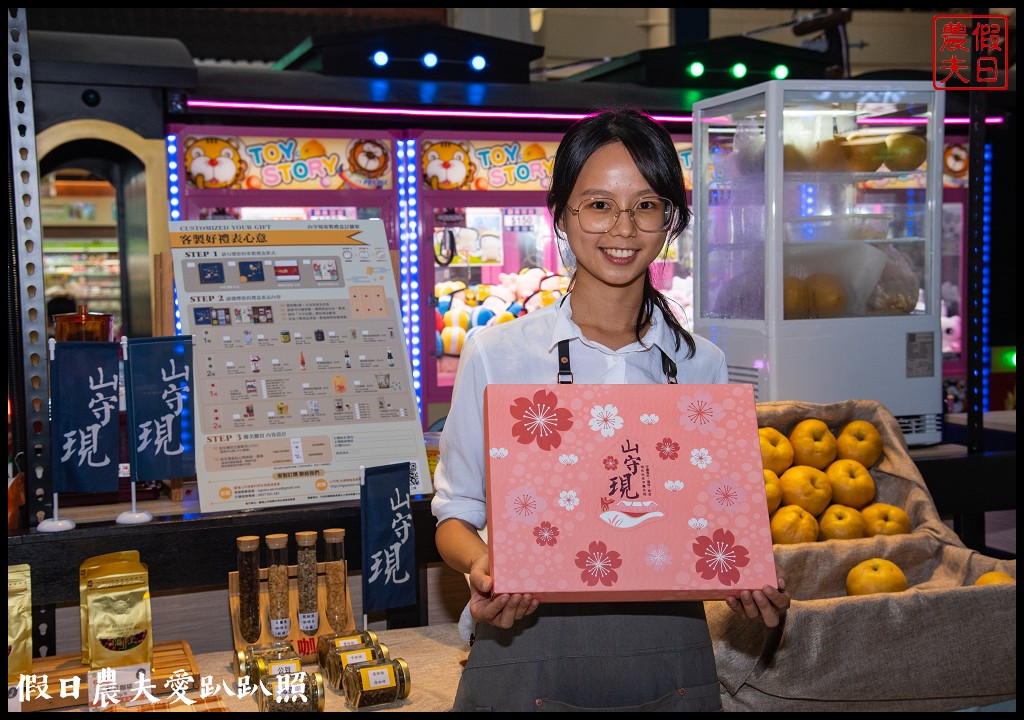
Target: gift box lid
x=625 y=492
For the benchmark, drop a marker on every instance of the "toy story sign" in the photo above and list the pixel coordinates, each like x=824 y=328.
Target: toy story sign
x=214 y=161
x=486 y=164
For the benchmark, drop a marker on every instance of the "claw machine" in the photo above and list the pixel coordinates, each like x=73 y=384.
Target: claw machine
x=817 y=287
x=264 y=173
x=487 y=252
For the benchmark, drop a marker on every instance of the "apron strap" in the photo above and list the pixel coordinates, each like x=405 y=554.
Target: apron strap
x=668 y=365
x=564 y=371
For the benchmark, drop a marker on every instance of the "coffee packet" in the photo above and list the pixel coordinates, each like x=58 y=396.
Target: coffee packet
x=84 y=569
x=119 y=614
x=19 y=622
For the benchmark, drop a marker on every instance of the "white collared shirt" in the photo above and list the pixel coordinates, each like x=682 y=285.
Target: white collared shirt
x=525 y=351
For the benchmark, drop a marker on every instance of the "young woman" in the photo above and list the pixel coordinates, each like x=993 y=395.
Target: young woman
x=617 y=196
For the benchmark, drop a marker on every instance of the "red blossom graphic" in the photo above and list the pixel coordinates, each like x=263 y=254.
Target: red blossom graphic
x=598 y=564
x=668 y=449
x=540 y=419
x=719 y=555
x=610 y=463
x=546 y=534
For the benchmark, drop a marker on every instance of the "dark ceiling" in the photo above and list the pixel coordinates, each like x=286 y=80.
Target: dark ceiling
x=230 y=34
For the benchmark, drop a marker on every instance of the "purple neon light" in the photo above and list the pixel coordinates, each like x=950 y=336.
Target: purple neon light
x=508 y=114
x=350 y=109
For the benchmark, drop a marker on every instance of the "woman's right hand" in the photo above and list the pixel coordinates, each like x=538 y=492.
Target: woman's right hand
x=498 y=610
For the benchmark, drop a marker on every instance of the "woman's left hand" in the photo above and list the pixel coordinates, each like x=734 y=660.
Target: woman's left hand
x=767 y=604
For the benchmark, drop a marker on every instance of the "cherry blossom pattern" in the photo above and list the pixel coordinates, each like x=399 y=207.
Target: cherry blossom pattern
x=540 y=419
x=658 y=557
x=700 y=412
x=668 y=449
x=697 y=523
x=499 y=452
x=719 y=556
x=546 y=534
x=605 y=419
x=610 y=463
x=728 y=495
x=568 y=499
x=700 y=457
x=674 y=485
x=649 y=419
x=524 y=504
x=568 y=459
x=598 y=564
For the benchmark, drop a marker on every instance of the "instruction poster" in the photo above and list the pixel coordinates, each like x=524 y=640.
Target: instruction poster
x=301 y=369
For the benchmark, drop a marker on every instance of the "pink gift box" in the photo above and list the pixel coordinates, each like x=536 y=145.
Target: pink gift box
x=625 y=492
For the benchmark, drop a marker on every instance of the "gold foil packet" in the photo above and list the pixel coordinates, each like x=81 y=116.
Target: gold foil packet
x=19 y=622
x=120 y=617
x=90 y=565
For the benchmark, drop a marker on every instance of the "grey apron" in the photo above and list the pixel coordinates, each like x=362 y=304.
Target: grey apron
x=594 y=656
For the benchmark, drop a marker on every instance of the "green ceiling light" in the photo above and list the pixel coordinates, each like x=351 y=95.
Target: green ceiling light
x=695 y=69
x=780 y=72
x=738 y=70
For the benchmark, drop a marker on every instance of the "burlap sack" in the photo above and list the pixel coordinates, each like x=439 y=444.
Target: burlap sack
x=943 y=644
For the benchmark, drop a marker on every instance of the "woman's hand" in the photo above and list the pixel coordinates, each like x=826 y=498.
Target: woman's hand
x=498 y=610
x=768 y=604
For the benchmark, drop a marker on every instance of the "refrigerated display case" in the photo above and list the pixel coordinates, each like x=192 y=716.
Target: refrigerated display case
x=818 y=286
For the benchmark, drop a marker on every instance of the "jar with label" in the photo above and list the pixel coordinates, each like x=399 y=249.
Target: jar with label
x=349 y=640
x=339 y=658
x=376 y=683
x=305 y=695
x=247 y=658
x=277 y=585
x=268 y=665
x=309 y=614
x=336 y=570
x=249 y=624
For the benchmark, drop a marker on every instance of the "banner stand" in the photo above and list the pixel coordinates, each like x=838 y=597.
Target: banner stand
x=134 y=516
x=56 y=523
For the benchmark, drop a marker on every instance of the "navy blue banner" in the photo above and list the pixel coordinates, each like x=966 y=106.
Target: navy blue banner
x=85 y=431
x=388 y=538
x=158 y=390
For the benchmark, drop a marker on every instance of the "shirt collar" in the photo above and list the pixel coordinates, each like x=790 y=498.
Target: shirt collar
x=659 y=335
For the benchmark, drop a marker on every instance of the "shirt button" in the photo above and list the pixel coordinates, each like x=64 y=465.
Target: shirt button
x=538 y=702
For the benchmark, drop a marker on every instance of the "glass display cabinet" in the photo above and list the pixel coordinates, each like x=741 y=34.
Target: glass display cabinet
x=817 y=222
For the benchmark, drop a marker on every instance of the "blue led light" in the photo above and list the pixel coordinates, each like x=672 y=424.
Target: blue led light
x=429 y=60
x=380 y=58
x=478 y=62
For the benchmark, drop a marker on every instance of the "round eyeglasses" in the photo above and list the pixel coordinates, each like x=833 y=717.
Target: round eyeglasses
x=599 y=215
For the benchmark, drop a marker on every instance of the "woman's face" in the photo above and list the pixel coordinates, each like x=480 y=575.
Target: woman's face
x=619 y=257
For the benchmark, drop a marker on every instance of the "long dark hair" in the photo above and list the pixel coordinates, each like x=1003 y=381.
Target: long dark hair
x=652 y=149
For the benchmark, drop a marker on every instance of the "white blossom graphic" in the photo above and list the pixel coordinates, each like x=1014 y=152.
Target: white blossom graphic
x=568 y=459
x=673 y=485
x=651 y=419
x=700 y=457
x=568 y=499
x=498 y=453
x=605 y=418
x=697 y=523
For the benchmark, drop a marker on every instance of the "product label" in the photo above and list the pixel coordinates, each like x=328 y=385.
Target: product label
x=377 y=677
x=309 y=622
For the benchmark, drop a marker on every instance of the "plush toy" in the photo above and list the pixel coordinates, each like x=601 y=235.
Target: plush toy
x=681 y=293
x=950 y=331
